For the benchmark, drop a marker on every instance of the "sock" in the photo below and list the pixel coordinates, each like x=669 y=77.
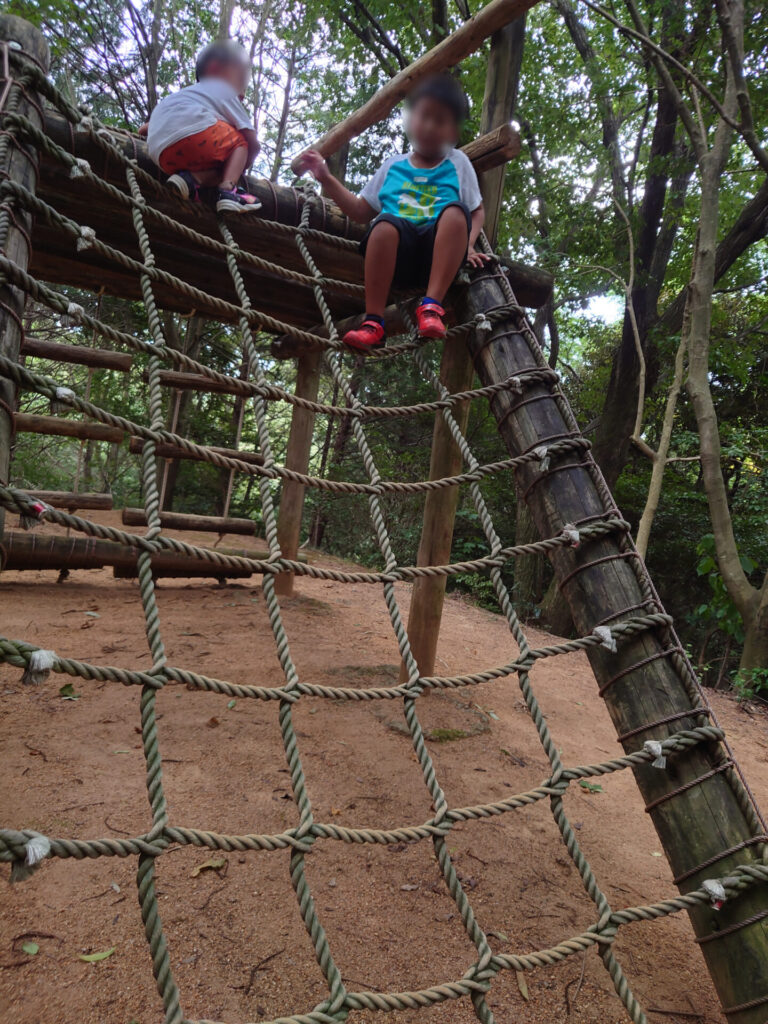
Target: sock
x=376 y=319
x=427 y=301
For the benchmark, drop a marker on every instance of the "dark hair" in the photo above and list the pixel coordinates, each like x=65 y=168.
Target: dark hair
x=227 y=52
x=444 y=89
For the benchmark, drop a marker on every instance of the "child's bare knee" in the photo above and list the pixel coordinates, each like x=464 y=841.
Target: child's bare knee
x=455 y=216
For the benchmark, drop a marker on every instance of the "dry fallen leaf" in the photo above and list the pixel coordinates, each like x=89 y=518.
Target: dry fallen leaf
x=522 y=985
x=214 y=864
x=212 y=722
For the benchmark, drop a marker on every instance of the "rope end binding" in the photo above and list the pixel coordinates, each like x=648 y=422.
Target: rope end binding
x=33 y=515
x=606 y=638
x=39 y=668
x=37 y=849
x=655 y=748
x=714 y=889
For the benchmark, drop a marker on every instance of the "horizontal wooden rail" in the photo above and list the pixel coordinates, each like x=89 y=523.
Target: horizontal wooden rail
x=98 y=358
x=199 y=382
x=497 y=147
x=72 y=501
x=57 y=426
x=186 y=521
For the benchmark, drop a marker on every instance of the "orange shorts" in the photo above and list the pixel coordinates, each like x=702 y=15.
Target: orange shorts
x=202 y=151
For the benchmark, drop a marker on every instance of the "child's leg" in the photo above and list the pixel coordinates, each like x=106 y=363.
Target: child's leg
x=450 y=249
x=233 y=167
x=380 y=259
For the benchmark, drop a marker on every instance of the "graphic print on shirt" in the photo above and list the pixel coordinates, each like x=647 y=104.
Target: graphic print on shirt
x=418 y=200
x=420 y=194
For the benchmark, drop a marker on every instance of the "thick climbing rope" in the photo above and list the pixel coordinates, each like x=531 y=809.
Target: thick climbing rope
x=25 y=850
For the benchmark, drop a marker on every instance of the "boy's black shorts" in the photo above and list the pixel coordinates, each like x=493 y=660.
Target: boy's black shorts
x=414 y=253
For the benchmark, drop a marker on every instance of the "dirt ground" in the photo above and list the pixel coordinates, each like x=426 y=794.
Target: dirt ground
x=238 y=947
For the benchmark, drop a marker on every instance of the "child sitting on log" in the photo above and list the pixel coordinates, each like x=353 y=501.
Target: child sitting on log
x=202 y=135
x=428 y=212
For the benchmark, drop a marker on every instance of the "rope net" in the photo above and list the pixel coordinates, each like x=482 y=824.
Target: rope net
x=26 y=849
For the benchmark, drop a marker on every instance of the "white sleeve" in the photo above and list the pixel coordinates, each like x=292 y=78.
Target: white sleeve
x=229 y=108
x=469 y=189
x=372 y=188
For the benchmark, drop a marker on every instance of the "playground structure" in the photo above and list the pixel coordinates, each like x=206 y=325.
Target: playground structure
x=279 y=275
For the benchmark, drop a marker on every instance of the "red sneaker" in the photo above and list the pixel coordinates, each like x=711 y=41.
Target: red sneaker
x=429 y=319
x=370 y=334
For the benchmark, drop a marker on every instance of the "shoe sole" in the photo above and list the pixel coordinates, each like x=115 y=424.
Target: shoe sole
x=177 y=182
x=363 y=348
x=229 y=206
x=432 y=333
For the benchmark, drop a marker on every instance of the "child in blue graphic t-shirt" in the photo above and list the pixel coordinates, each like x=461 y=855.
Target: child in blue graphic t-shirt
x=428 y=212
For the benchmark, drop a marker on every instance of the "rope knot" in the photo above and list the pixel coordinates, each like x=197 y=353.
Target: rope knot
x=606 y=637
x=483 y=325
x=655 y=748
x=86 y=239
x=75 y=311
x=39 y=667
x=572 y=535
x=33 y=514
x=713 y=887
x=542 y=454
x=80 y=168
x=63 y=398
x=36 y=849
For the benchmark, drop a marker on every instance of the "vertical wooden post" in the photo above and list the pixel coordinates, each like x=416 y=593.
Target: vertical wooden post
x=457 y=374
x=501 y=83
x=18 y=163
x=297 y=458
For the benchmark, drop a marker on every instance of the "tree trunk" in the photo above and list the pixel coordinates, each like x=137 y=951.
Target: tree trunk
x=755 y=653
x=529 y=569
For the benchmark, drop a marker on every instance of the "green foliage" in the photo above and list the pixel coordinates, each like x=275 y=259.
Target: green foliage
x=751 y=683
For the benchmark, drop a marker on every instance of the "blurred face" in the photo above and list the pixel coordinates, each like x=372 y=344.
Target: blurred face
x=235 y=72
x=432 y=127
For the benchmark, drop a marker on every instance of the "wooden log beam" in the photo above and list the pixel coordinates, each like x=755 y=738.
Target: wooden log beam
x=57 y=426
x=693 y=805
x=495 y=148
x=98 y=358
x=453 y=49
x=173 y=451
x=18 y=163
x=72 y=501
x=186 y=521
x=297 y=458
x=36 y=551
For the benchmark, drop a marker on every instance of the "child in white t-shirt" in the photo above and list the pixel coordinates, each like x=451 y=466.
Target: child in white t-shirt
x=203 y=135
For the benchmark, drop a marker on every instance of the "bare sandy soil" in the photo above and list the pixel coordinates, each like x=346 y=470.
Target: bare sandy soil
x=237 y=943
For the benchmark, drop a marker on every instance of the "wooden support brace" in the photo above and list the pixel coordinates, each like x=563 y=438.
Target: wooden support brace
x=453 y=49
x=297 y=458
x=494 y=149
x=703 y=817
x=57 y=426
x=98 y=358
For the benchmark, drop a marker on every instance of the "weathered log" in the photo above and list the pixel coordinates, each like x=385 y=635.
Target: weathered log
x=173 y=451
x=19 y=164
x=186 y=521
x=701 y=822
x=57 y=426
x=453 y=49
x=493 y=149
x=98 y=358
x=71 y=501
x=35 y=551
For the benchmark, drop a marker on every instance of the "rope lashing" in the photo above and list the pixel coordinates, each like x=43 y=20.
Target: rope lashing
x=714 y=888
x=26 y=850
